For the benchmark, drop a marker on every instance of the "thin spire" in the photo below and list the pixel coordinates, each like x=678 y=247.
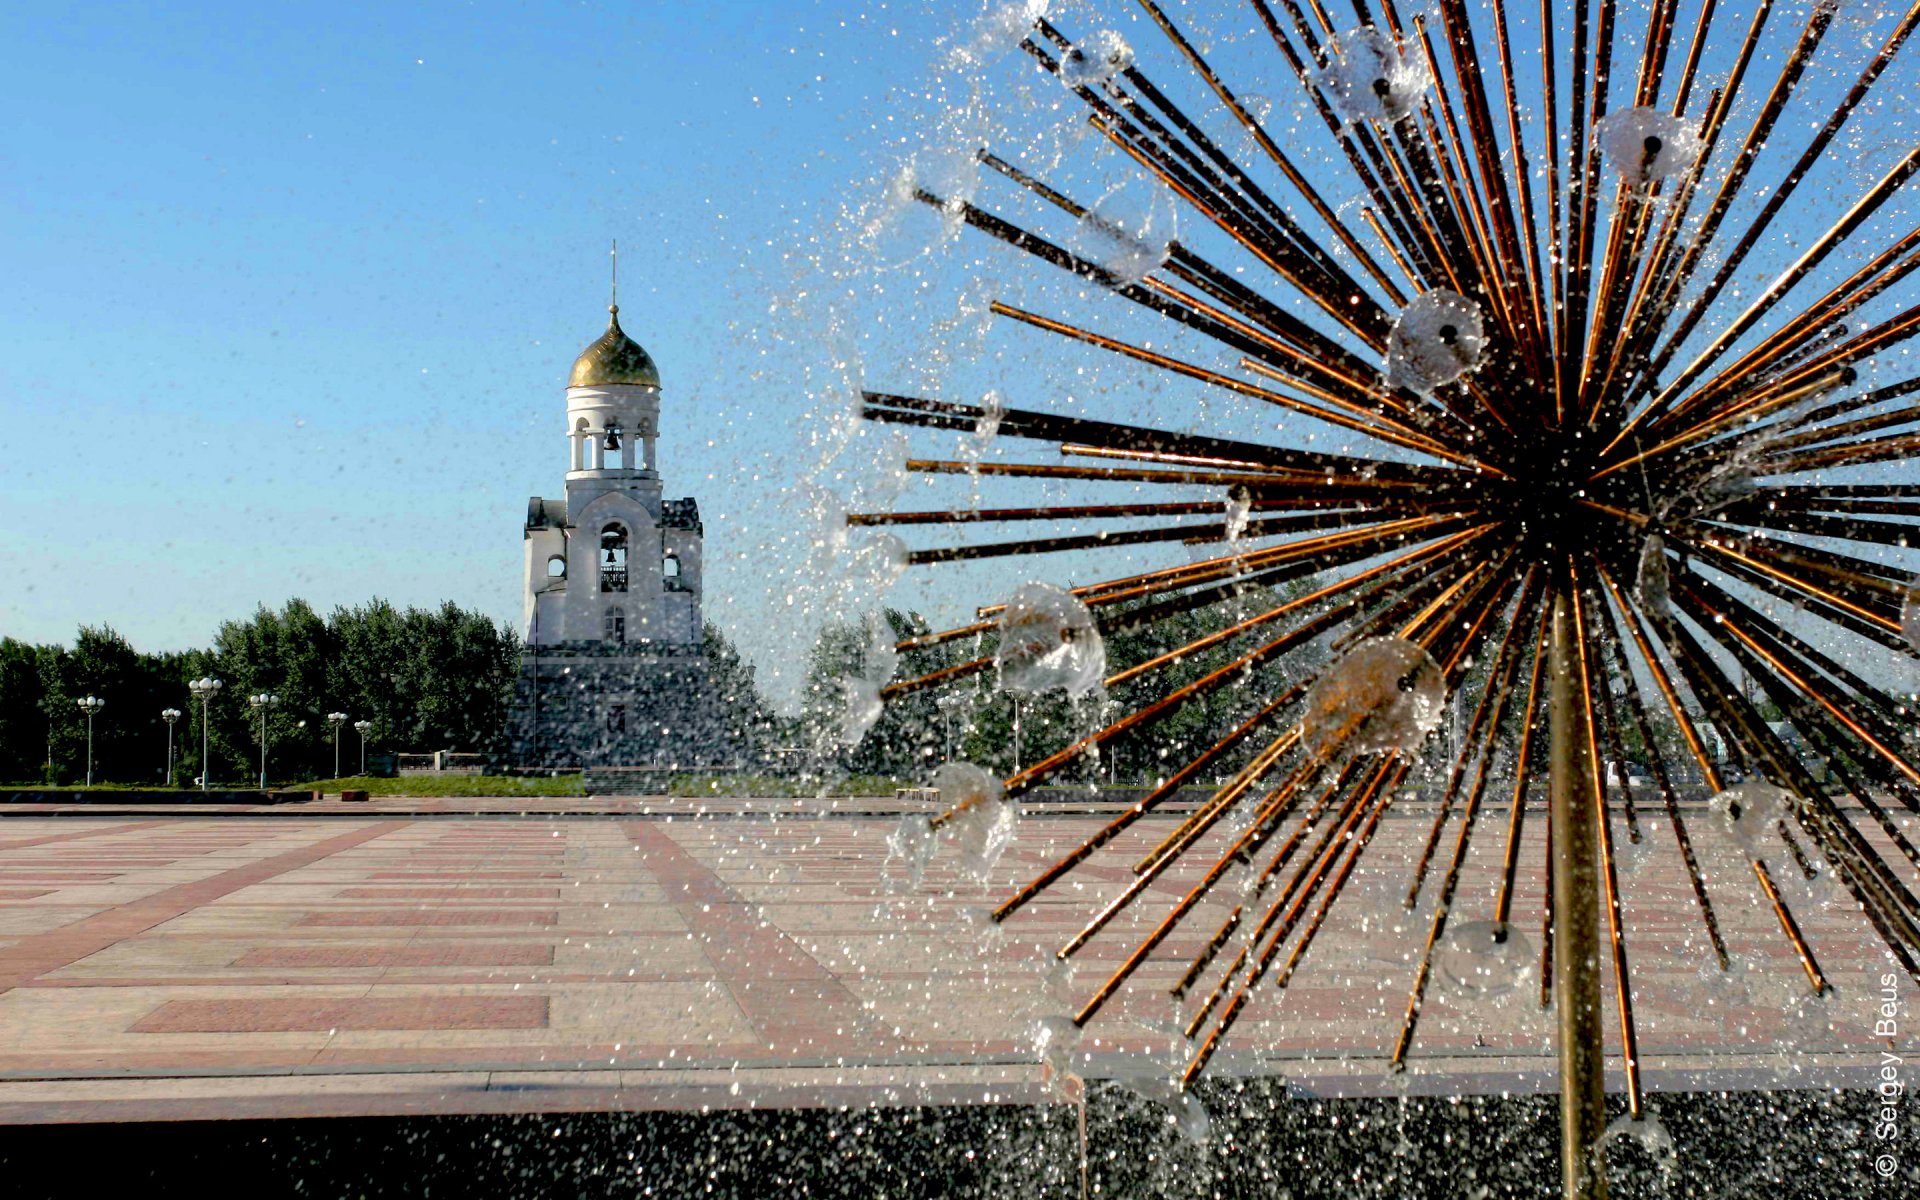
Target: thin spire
x=613 y=305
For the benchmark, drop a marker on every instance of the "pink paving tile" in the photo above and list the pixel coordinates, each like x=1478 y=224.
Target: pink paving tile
x=408 y=917
x=449 y=893
x=35 y=955
x=7 y=893
x=304 y=1015
x=519 y=954
x=74 y=835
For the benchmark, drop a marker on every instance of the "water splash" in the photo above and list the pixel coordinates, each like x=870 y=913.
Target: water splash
x=1646 y=145
x=861 y=705
x=1475 y=960
x=1438 y=337
x=986 y=427
x=1185 y=1113
x=1239 y=510
x=983 y=822
x=1127 y=233
x=911 y=844
x=879 y=560
x=1654 y=586
x=1048 y=640
x=1371 y=79
x=1650 y=1135
x=1384 y=695
x=1095 y=60
x=1750 y=812
x=1055 y=1039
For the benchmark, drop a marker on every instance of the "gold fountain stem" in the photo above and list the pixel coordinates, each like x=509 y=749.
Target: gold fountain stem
x=1576 y=924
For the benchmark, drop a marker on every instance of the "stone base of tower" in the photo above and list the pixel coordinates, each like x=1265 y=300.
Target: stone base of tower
x=590 y=705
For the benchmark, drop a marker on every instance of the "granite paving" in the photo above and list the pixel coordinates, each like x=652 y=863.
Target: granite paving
x=472 y=957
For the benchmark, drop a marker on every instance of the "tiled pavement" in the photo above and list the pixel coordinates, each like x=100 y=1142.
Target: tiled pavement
x=329 y=960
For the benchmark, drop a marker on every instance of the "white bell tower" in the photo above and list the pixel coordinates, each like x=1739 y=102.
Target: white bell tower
x=614 y=563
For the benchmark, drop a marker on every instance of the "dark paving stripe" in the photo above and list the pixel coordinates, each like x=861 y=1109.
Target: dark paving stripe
x=34 y=956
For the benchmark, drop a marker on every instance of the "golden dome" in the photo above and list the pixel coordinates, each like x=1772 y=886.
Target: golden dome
x=615 y=358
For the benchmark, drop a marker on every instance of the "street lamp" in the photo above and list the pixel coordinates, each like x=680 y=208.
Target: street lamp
x=169 y=715
x=336 y=719
x=204 y=690
x=90 y=705
x=261 y=702
x=363 y=728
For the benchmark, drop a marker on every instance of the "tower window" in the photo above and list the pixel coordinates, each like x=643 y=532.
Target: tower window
x=616 y=625
x=556 y=567
x=670 y=573
x=613 y=558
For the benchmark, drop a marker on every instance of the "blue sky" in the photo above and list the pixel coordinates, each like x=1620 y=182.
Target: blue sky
x=288 y=293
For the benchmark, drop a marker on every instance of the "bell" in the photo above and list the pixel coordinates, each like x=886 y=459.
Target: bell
x=613 y=438
x=609 y=556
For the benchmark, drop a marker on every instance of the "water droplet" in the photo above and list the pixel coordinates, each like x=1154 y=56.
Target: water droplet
x=1749 y=812
x=1385 y=694
x=1437 y=338
x=1048 y=640
x=1474 y=961
x=1646 y=145
x=1370 y=79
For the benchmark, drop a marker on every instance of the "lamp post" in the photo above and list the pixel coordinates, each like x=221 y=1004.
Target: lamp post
x=204 y=690
x=363 y=728
x=90 y=705
x=336 y=719
x=169 y=715
x=261 y=702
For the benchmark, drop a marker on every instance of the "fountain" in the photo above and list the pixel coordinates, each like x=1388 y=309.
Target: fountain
x=1537 y=446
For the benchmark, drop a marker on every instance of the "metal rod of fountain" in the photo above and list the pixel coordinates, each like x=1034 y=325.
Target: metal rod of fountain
x=1576 y=927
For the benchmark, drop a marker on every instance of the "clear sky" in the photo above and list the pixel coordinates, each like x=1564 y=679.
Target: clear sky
x=288 y=293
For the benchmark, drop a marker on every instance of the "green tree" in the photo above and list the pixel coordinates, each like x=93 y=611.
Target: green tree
x=751 y=724
x=25 y=733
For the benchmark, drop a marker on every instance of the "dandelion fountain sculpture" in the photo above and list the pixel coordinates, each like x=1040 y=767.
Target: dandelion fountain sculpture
x=1574 y=455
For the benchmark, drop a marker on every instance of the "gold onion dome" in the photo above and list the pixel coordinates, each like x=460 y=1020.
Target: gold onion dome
x=615 y=358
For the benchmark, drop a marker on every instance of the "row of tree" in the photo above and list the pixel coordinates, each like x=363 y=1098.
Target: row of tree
x=426 y=679
x=443 y=679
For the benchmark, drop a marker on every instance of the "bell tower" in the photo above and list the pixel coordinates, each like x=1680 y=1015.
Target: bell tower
x=614 y=562
x=614 y=671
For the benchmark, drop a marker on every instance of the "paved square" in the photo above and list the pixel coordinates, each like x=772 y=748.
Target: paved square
x=340 y=959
